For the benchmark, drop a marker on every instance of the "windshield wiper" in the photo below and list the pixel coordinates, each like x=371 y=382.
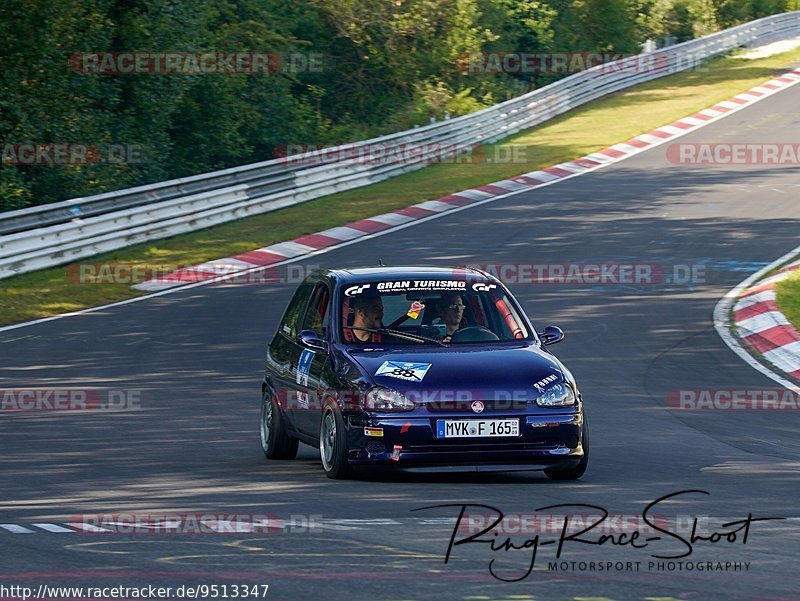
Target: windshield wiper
x=399 y=334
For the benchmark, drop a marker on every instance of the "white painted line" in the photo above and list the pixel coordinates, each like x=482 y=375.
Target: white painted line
x=711 y=112
x=365 y=521
x=437 y=521
x=720 y=321
x=693 y=121
x=16 y=529
x=329 y=526
x=730 y=105
x=746 y=96
x=87 y=527
x=53 y=528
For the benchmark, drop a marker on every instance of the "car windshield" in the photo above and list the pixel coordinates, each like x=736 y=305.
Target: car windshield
x=413 y=312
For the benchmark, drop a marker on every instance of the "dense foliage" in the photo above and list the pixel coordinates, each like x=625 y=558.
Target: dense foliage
x=378 y=66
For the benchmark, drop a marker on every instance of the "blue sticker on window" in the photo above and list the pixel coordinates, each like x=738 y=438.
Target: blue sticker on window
x=304 y=367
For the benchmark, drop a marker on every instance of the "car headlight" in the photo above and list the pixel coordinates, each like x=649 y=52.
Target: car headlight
x=557 y=395
x=386 y=399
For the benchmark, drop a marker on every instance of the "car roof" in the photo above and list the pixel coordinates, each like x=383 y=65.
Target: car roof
x=376 y=274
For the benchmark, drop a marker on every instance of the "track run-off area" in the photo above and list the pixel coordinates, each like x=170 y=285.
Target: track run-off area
x=184 y=370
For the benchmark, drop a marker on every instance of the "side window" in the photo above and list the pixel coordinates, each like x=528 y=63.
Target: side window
x=290 y=324
x=318 y=316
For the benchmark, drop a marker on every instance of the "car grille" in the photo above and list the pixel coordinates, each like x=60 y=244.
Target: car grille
x=375 y=448
x=466 y=406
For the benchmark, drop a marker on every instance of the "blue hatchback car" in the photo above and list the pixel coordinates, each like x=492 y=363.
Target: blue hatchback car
x=419 y=369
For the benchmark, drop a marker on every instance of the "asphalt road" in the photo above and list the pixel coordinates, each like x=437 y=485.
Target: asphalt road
x=196 y=359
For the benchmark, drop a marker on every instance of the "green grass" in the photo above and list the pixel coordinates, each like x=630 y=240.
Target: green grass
x=788 y=293
x=605 y=122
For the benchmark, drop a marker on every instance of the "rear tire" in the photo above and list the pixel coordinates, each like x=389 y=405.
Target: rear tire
x=275 y=440
x=576 y=471
x=333 y=443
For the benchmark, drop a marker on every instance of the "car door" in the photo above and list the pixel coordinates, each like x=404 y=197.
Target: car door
x=311 y=362
x=284 y=352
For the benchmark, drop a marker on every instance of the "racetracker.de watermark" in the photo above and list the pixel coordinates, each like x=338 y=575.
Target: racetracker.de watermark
x=744 y=153
x=195 y=523
x=69 y=153
x=377 y=153
x=595 y=274
x=125 y=591
x=733 y=399
x=436 y=399
x=196 y=63
x=570 y=523
x=44 y=400
x=232 y=272
x=561 y=63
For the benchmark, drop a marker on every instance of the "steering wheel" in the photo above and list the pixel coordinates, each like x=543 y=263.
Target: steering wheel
x=473 y=334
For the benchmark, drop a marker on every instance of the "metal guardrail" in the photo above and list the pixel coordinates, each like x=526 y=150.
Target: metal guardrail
x=59 y=233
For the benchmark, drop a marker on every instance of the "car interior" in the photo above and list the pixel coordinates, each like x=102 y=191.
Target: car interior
x=416 y=313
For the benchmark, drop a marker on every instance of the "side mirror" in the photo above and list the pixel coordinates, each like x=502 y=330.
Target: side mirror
x=310 y=339
x=551 y=335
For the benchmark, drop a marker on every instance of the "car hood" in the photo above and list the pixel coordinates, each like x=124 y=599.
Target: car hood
x=485 y=372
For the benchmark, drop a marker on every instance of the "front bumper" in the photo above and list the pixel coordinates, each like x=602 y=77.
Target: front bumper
x=409 y=442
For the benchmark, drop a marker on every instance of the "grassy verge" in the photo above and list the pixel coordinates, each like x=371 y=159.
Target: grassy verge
x=788 y=293
x=608 y=121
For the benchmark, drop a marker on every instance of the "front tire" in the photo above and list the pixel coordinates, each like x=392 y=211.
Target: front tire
x=576 y=471
x=333 y=443
x=275 y=440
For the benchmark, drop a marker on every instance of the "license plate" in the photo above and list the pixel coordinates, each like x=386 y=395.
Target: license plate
x=476 y=428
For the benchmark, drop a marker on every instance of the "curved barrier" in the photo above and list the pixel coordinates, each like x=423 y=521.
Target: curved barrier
x=59 y=233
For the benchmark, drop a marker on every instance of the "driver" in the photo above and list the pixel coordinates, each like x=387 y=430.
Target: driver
x=451 y=310
x=368 y=312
